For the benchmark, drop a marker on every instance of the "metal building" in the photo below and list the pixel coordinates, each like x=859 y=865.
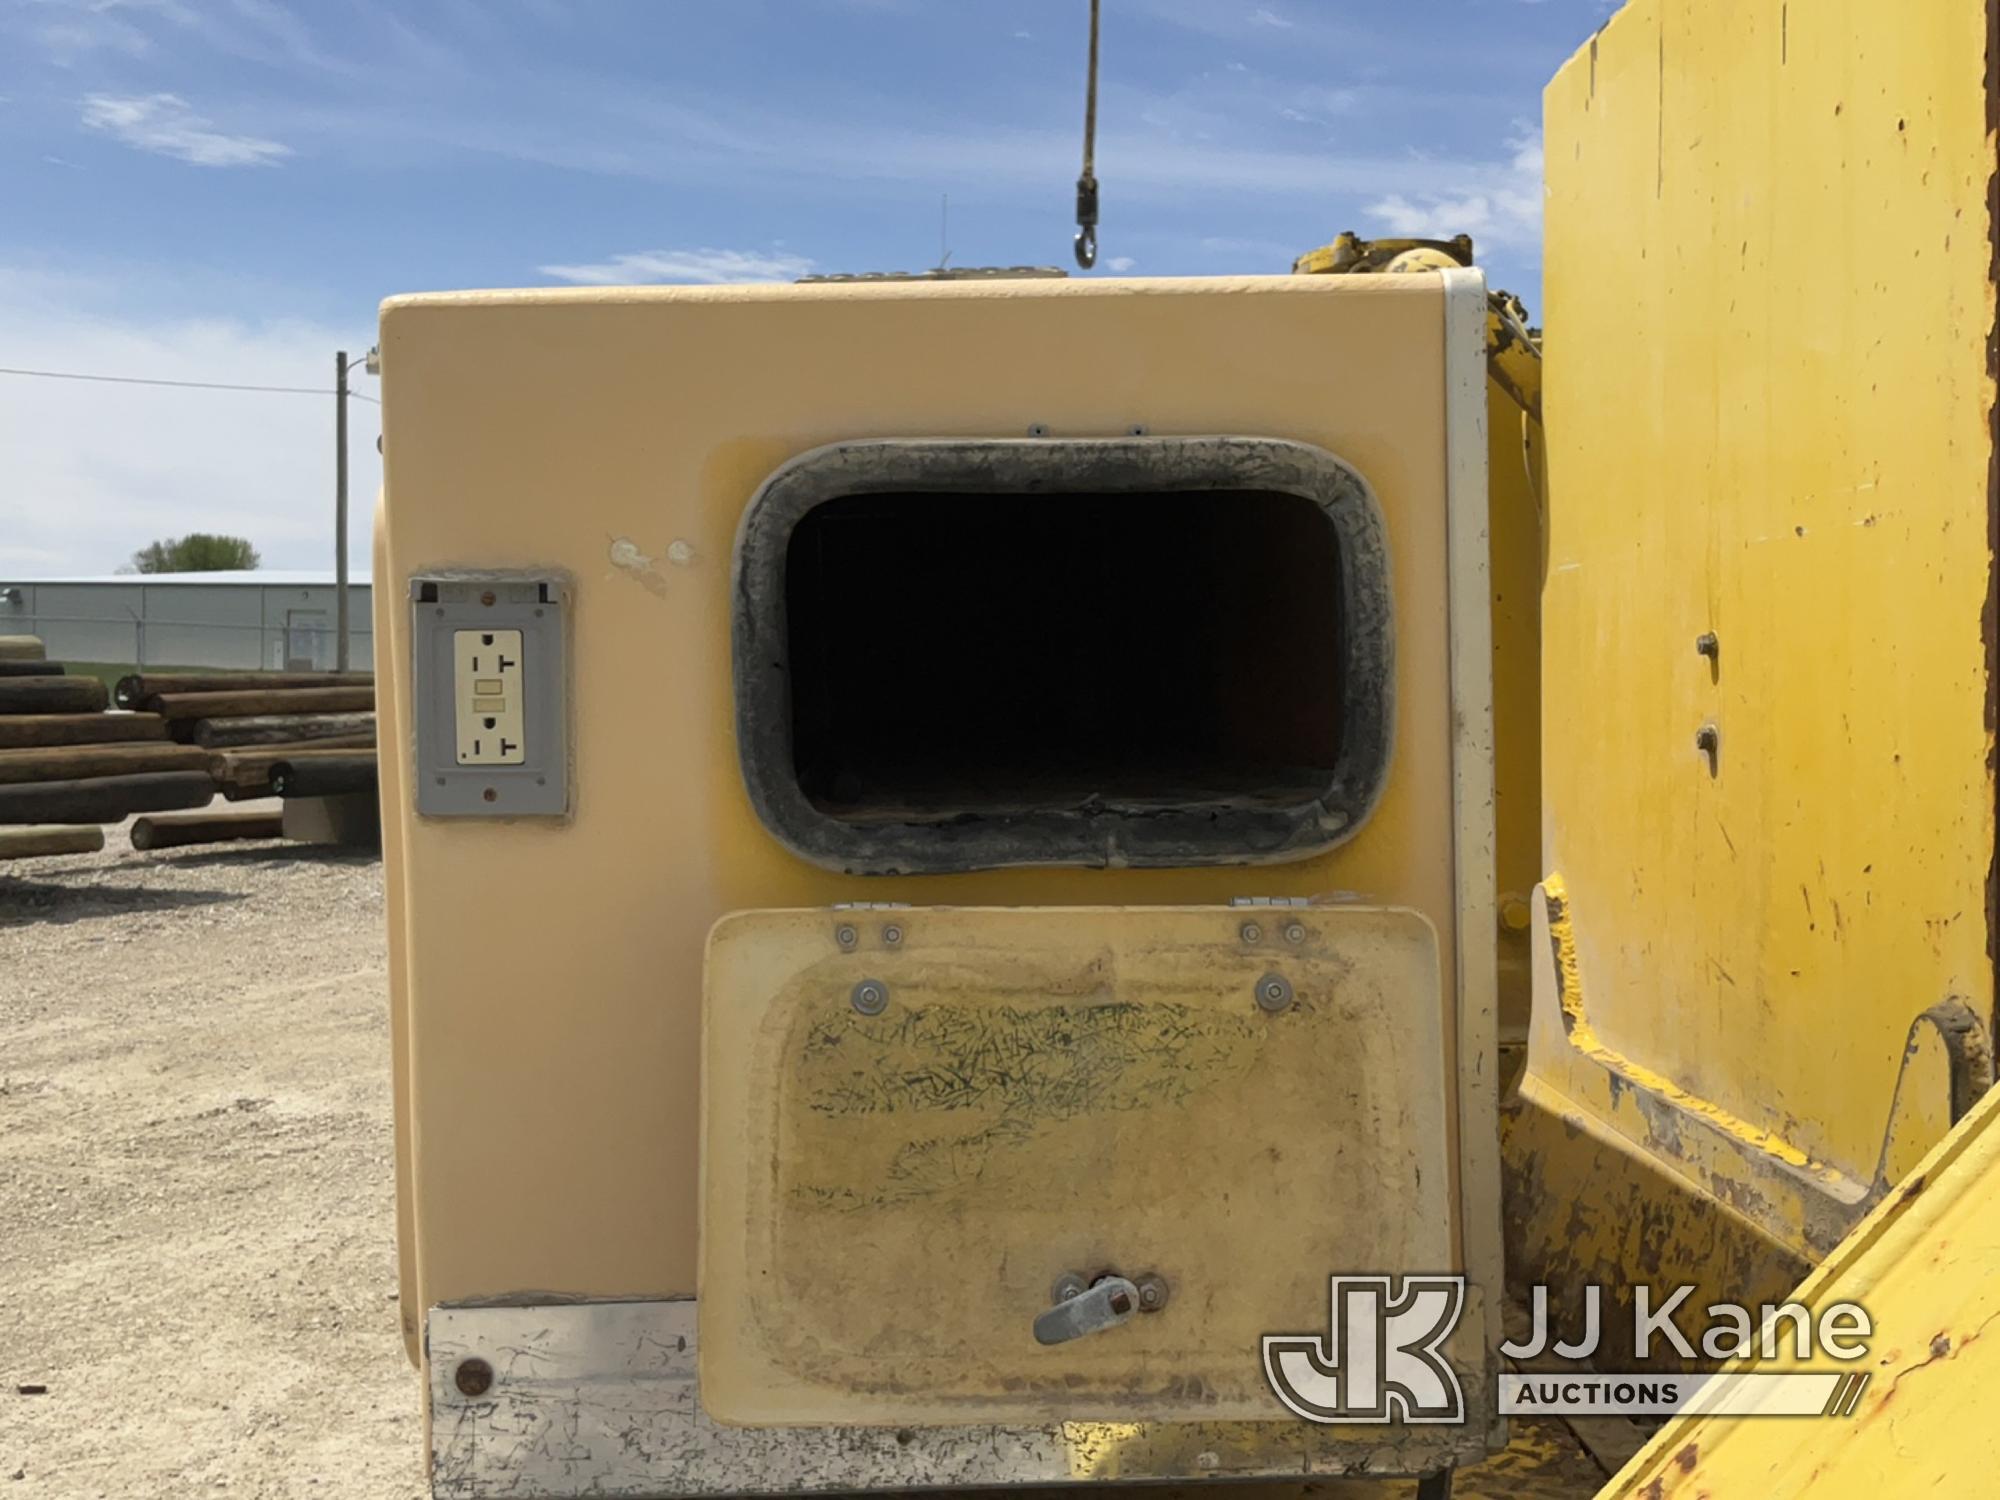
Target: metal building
x=271 y=619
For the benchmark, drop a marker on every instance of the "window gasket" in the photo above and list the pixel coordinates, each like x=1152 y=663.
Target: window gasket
x=1196 y=834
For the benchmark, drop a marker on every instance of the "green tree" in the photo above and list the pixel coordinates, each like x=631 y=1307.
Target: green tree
x=197 y=552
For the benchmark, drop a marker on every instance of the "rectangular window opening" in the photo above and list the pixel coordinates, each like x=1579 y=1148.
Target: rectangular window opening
x=964 y=655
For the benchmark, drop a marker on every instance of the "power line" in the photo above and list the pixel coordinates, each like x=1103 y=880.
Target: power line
x=189 y=385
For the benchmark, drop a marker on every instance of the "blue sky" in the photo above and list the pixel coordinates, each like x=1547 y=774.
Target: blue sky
x=224 y=189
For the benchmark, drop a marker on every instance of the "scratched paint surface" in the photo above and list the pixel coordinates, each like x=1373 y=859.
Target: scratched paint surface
x=888 y=1199
x=1926 y=1265
x=966 y=1093
x=601 y=1399
x=1768 y=409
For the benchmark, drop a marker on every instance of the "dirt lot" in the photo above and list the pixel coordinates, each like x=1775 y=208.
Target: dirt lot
x=196 y=1223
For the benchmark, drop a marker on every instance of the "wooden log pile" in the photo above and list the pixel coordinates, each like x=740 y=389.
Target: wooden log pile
x=175 y=741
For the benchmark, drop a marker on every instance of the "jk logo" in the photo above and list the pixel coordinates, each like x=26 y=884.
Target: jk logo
x=1380 y=1360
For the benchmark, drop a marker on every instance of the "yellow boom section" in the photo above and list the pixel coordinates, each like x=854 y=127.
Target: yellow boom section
x=1926 y=1265
x=1767 y=693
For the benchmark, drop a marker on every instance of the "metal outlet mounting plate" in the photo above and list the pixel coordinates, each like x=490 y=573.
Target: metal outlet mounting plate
x=442 y=608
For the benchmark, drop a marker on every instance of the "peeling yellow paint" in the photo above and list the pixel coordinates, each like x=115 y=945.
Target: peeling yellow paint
x=1926 y=1266
x=1584 y=1038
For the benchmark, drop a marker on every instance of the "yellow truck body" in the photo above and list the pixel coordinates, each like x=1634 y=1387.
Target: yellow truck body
x=919 y=1020
x=1686 y=792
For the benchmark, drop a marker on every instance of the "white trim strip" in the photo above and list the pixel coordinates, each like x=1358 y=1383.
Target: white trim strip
x=1466 y=512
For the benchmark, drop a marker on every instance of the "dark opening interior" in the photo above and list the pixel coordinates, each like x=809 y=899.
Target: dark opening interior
x=980 y=654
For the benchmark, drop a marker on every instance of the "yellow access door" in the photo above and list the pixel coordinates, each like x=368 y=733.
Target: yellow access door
x=920 y=1125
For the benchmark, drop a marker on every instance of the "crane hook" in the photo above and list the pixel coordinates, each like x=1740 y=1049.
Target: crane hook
x=1086 y=222
x=1086 y=247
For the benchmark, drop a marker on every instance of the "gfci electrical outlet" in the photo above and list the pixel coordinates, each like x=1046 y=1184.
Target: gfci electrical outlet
x=490 y=684
x=486 y=675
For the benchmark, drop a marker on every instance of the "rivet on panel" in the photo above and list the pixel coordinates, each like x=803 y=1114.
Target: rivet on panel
x=1295 y=932
x=1250 y=932
x=870 y=997
x=892 y=935
x=846 y=936
x=1274 y=992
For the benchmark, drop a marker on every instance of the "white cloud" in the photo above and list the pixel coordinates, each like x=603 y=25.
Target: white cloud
x=707 y=267
x=1498 y=205
x=92 y=472
x=1121 y=263
x=67 y=41
x=164 y=123
x=1265 y=17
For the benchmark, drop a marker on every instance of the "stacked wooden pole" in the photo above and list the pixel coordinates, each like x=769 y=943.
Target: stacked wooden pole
x=245 y=723
x=183 y=737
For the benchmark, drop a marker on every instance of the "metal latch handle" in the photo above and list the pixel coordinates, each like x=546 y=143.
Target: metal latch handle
x=1110 y=1302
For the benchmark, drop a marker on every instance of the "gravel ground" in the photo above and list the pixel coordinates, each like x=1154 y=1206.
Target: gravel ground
x=196 y=1215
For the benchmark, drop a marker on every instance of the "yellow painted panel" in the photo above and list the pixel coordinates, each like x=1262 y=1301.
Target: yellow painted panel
x=551 y=974
x=890 y=1197
x=392 y=791
x=1768 y=403
x=1514 y=468
x=1926 y=1267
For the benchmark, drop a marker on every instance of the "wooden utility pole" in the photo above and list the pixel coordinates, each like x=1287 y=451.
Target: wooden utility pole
x=340 y=509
